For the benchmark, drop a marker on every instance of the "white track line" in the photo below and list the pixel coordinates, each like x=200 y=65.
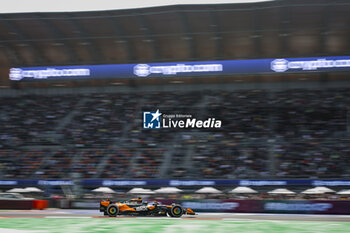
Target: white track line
x=67 y=217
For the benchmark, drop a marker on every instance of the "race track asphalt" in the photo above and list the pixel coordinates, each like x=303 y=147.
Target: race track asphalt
x=82 y=213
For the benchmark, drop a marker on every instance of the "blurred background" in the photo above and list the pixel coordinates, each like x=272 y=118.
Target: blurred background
x=64 y=139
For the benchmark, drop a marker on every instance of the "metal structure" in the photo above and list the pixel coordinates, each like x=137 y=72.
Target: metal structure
x=176 y=33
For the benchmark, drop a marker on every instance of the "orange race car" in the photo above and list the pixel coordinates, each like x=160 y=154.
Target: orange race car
x=136 y=207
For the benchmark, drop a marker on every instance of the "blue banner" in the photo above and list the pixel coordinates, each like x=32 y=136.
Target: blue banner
x=35 y=182
x=164 y=182
x=182 y=69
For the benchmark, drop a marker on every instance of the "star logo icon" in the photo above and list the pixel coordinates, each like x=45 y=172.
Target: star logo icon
x=151 y=120
x=156 y=115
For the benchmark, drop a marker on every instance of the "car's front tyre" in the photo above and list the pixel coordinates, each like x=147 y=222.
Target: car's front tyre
x=112 y=210
x=176 y=211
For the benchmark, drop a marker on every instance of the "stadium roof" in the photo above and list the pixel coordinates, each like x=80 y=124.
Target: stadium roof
x=25 y=6
x=271 y=29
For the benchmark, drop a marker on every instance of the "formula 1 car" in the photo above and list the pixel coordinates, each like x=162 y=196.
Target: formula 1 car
x=136 y=207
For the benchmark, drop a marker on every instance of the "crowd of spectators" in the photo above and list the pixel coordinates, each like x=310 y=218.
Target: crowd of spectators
x=63 y=163
x=310 y=114
x=22 y=164
x=292 y=133
x=245 y=114
x=217 y=157
x=316 y=160
x=25 y=119
x=147 y=162
x=100 y=120
x=118 y=164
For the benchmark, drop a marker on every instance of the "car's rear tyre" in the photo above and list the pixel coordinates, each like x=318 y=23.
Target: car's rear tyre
x=176 y=211
x=112 y=210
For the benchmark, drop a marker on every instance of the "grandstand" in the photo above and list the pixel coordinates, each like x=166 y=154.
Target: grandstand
x=270 y=134
x=274 y=125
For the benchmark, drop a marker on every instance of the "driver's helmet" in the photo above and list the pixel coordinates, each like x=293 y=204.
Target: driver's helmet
x=138 y=200
x=155 y=203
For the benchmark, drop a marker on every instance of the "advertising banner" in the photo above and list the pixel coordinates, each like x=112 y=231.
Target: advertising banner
x=243 y=206
x=16 y=204
x=35 y=182
x=177 y=183
x=307 y=207
x=228 y=206
x=182 y=69
x=265 y=206
x=188 y=183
